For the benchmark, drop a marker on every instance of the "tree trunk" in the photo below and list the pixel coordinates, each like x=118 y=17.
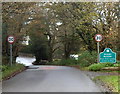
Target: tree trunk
x=50 y=59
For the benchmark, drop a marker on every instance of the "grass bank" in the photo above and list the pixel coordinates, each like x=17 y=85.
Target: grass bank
x=110 y=81
x=10 y=71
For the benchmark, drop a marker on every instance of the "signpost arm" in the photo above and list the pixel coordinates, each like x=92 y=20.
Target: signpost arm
x=11 y=54
x=98 y=45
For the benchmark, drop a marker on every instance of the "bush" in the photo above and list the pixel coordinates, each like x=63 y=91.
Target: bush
x=54 y=62
x=118 y=62
x=96 y=67
x=5 y=60
x=3 y=67
x=86 y=59
x=108 y=64
x=64 y=62
x=68 y=62
x=99 y=66
x=116 y=65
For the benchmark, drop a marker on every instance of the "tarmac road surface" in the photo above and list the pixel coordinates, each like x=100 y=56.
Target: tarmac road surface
x=50 y=79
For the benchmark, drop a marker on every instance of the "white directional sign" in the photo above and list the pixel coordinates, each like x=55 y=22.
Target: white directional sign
x=11 y=39
x=98 y=37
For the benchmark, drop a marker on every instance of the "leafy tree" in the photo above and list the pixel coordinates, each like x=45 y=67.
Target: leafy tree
x=75 y=18
x=107 y=23
x=78 y=24
x=14 y=17
x=87 y=19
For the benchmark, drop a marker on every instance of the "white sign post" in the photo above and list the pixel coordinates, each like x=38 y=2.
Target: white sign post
x=98 y=38
x=11 y=40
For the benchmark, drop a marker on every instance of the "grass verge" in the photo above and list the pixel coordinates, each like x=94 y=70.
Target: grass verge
x=12 y=71
x=110 y=81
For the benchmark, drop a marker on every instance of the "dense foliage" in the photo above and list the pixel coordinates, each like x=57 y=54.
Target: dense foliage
x=68 y=28
x=86 y=58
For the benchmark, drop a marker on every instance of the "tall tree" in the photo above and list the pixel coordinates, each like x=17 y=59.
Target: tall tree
x=107 y=23
x=14 y=17
x=76 y=18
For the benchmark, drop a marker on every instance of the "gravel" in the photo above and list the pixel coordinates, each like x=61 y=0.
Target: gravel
x=102 y=86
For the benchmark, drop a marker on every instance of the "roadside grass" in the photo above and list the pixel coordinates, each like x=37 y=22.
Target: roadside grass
x=10 y=70
x=104 y=67
x=104 y=71
x=110 y=81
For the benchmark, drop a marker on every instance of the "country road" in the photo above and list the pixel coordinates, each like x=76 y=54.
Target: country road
x=50 y=79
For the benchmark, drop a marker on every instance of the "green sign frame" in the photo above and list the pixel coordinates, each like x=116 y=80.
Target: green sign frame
x=107 y=56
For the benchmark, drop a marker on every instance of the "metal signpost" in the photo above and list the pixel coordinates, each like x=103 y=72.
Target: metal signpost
x=11 y=40
x=98 y=38
x=107 y=56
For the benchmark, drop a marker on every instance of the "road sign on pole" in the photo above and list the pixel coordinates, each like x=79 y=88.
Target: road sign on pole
x=11 y=58
x=98 y=38
x=11 y=40
x=98 y=50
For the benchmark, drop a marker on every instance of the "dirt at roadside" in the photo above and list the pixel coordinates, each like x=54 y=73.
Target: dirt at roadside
x=102 y=86
x=94 y=74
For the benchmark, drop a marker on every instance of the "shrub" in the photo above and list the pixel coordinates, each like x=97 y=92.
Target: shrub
x=116 y=65
x=67 y=62
x=86 y=59
x=108 y=64
x=63 y=62
x=5 y=60
x=99 y=66
x=96 y=67
x=52 y=63
x=3 y=67
x=118 y=62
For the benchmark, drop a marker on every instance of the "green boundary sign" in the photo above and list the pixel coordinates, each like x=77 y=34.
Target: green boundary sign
x=107 y=56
